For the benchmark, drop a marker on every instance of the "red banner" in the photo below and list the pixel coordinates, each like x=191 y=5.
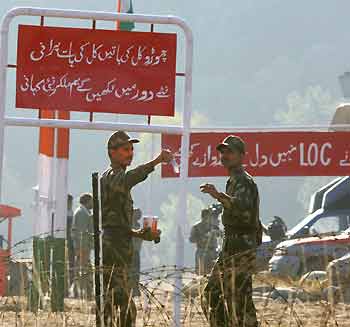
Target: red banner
x=96 y=70
x=268 y=154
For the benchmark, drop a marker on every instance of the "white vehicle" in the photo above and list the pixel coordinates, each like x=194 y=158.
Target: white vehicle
x=338 y=271
x=295 y=257
x=321 y=237
x=329 y=214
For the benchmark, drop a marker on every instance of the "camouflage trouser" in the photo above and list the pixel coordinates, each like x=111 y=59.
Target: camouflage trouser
x=83 y=273
x=228 y=296
x=205 y=260
x=119 y=307
x=135 y=274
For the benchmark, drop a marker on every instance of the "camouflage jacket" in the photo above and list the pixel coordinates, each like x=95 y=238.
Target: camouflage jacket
x=204 y=235
x=83 y=228
x=116 y=200
x=241 y=213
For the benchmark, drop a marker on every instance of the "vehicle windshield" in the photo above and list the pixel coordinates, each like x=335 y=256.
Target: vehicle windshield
x=326 y=225
x=304 y=222
x=318 y=224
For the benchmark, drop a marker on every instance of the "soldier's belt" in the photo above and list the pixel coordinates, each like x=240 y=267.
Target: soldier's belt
x=116 y=232
x=231 y=232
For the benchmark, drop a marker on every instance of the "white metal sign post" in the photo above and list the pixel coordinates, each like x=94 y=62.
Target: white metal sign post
x=183 y=130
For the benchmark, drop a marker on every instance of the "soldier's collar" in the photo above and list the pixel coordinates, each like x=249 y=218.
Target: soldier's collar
x=236 y=172
x=116 y=167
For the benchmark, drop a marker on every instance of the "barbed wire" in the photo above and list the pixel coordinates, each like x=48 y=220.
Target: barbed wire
x=155 y=304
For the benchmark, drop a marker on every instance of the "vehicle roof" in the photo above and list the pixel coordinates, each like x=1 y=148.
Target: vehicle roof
x=317 y=197
x=343 y=237
x=338 y=192
x=310 y=219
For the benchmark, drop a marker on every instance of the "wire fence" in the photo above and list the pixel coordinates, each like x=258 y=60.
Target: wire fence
x=287 y=302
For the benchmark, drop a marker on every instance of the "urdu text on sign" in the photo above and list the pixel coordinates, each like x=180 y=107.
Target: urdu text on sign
x=268 y=154
x=96 y=70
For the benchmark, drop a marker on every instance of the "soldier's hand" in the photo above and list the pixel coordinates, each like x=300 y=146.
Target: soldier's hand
x=148 y=235
x=209 y=189
x=165 y=156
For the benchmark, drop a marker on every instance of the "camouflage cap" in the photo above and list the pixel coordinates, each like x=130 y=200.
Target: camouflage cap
x=233 y=143
x=118 y=139
x=205 y=212
x=137 y=214
x=277 y=218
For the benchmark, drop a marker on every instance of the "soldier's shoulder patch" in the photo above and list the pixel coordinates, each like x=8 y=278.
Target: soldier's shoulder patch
x=249 y=178
x=106 y=173
x=197 y=223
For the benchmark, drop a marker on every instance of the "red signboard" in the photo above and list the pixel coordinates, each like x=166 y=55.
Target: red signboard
x=268 y=154
x=96 y=70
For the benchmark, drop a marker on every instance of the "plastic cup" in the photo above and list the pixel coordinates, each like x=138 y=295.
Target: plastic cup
x=150 y=222
x=175 y=166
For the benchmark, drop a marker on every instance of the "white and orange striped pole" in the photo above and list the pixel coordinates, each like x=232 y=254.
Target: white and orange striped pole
x=61 y=177
x=52 y=176
x=119 y=8
x=51 y=219
x=46 y=180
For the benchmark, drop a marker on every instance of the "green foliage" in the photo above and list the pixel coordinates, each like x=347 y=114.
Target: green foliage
x=170 y=217
x=315 y=106
x=166 y=251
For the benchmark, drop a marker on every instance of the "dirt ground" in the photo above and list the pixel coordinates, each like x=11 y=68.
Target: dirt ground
x=156 y=304
x=275 y=313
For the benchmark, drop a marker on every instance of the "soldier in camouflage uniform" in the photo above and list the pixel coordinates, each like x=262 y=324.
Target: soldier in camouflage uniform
x=276 y=229
x=117 y=212
x=228 y=295
x=204 y=234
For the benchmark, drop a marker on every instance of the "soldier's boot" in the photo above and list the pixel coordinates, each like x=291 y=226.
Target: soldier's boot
x=128 y=314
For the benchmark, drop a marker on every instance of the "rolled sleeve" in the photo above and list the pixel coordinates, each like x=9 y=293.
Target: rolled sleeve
x=241 y=206
x=244 y=198
x=138 y=175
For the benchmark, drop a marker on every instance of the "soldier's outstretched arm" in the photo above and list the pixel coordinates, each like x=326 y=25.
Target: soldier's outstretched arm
x=210 y=189
x=244 y=198
x=194 y=235
x=140 y=173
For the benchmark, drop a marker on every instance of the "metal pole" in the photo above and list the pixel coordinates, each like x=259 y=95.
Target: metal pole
x=97 y=15
x=167 y=129
x=96 y=125
x=9 y=234
x=185 y=145
x=149 y=209
x=3 y=84
x=96 y=216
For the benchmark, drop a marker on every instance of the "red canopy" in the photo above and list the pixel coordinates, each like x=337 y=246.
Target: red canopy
x=9 y=212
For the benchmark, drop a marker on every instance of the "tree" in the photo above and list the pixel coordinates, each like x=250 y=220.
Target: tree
x=156 y=255
x=315 y=106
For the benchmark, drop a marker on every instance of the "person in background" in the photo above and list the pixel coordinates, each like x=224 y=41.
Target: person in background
x=204 y=234
x=2 y=241
x=83 y=244
x=276 y=229
x=70 y=243
x=217 y=209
